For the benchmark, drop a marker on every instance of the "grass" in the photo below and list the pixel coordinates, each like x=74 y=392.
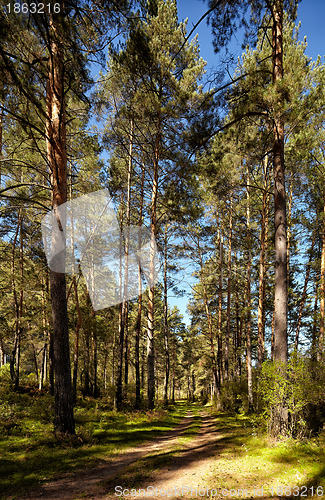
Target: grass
x=30 y=453
x=245 y=458
x=248 y=460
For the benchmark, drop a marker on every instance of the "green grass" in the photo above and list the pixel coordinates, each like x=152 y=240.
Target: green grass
x=30 y=453
x=245 y=458
x=248 y=459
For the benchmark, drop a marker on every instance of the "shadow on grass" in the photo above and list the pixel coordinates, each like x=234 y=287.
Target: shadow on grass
x=28 y=460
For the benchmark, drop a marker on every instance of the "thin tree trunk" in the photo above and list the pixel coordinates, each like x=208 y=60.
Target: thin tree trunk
x=76 y=346
x=228 y=291
x=35 y=363
x=289 y=230
x=150 y=331
x=138 y=323
x=119 y=375
x=249 y=305
x=57 y=160
x=174 y=371
x=125 y=308
x=166 y=336
x=95 y=355
x=320 y=350
x=237 y=343
x=272 y=337
x=315 y=327
x=304 y=292
x=220 y=353
x=215 y=378
x=18 y=302
x=43 y=368
x=2 y=352
x=261 y=290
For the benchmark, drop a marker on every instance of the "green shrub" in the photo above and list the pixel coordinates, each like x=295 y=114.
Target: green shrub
x=298 y=387
x=5 y=379
x=233 y=396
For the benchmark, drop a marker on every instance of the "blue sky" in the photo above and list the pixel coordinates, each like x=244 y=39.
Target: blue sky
x=311 y=14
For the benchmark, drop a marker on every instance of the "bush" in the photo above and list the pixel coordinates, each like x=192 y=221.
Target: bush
x=298 y=388
x=233 y=396
x=5 y=379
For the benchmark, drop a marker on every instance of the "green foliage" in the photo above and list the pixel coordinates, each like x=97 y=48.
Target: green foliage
x=5 y=378
x=233 y=396
x=300 y=388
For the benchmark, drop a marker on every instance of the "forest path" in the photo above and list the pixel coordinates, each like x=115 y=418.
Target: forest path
x=178 y=465
x=89 y=483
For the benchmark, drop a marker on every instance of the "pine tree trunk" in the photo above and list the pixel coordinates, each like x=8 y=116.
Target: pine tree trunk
x=174 y=372
x=138 y=323
x=237 y=342
x=279 y=422
x=215 y=386
x=320 y=351
x=119 y=376
x=57 y=160
x=314 y=339
x=280 y=219
x=166 y=336
x=43 y=368
x=2 y=352
x=228 y=291
x=304 y=292
x=95 y=355
x=127 y=244
x=220 y=353
x=76 y=346
x=249 y=305
x=150 y=331
x=289 y=232
x=261 y=288
x=18 y=304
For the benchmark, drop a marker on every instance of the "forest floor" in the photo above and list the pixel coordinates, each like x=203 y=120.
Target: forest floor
x=206 y=455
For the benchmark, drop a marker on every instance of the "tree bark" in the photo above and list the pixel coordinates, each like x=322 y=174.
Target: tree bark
x=320 y=350
x=119 y=375
x=228 y=291
x=248 y=299
x=261 y=288
x=220 y=353
x=166 y=334
x=280 y=219
x=279 y=424
x=150 y=331
x=139 y=315
x=304 y=292
x=76 y=345
x=18 y=303
x=215 y=386
x=237 y=343
x=57 y=160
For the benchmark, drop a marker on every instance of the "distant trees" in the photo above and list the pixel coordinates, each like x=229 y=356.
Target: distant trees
x=160 y=71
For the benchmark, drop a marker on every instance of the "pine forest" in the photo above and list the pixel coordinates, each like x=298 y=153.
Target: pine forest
x=162 y=242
